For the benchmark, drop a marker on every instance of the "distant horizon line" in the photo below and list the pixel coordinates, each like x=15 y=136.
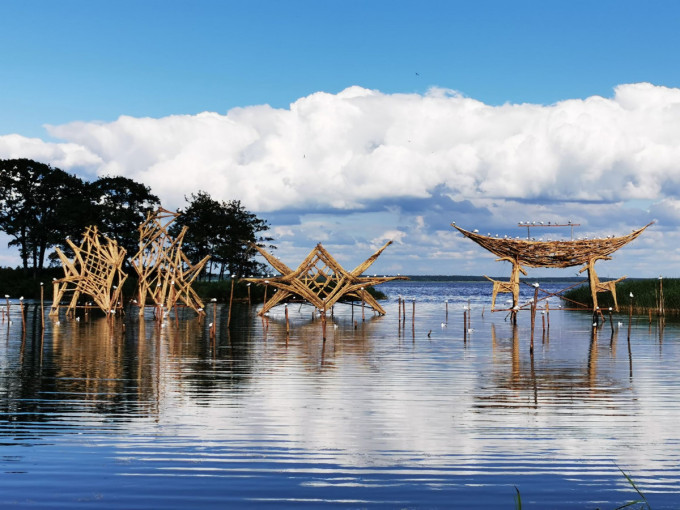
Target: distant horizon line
x=538 y=278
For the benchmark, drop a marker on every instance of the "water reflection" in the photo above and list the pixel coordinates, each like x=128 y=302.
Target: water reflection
x=519 y=379
x=128 y=367
x=379 y=412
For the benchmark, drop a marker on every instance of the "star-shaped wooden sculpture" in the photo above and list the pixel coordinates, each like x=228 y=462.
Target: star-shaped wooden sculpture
x=95 y=271
x=321 y=280
x=165 y=272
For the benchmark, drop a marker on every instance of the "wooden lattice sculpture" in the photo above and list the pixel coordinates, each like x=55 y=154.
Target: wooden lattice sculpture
x=95 y=271
x=321 y=281
x=165 y=273
x=558 y=254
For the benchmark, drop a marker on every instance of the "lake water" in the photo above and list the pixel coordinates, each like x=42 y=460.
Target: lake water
x=383 y=414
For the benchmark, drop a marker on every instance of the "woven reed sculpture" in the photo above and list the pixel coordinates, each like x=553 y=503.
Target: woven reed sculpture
x=95 y=271
x=321 y=281
x=557 y=254
x=165 y=273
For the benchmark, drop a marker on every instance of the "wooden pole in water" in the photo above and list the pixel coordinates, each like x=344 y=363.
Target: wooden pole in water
x=543 y=320
x=248 y=286
x=464 y=325
x=231 y=299
x=413 y=318
x=214 y=322
x=533 y=317
x=611 y=319
x=447 y=311
x=630 y=314
x=662 y=310
x=323 y=325
x=399 y=314
x=23 y=318
x=42 y=306
x=287 y=323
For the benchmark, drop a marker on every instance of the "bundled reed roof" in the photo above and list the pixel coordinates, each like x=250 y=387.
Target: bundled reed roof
x=551 y=253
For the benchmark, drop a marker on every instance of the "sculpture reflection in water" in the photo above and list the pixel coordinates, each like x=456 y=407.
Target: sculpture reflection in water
x=138 y=368
x=519 y=378
x=303 y=340
x=94 y=365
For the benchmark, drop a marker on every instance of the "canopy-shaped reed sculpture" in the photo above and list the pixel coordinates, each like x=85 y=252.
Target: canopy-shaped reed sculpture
x=557 y=254
x=321 y=281
x=165 y=273
x=95 y=271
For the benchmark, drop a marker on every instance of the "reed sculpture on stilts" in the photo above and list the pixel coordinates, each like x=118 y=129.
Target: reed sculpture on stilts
x=321 y=281
x=95 y=271
x=558 y=254
x=165 y=273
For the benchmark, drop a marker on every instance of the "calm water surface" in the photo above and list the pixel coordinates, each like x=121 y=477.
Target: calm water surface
x=390 y=414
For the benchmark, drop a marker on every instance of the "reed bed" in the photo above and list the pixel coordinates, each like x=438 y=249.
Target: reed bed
x=646 y=295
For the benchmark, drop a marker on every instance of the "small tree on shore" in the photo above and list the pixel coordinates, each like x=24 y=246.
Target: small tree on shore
x=223 y=230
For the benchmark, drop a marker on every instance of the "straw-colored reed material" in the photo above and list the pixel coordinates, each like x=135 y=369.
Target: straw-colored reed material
x=95 y=271
x=165 y=273
x=321 y=281
x=557 y=254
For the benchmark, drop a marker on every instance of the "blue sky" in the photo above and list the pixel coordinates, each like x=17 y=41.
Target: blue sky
x=79 y=60
x=295 y=91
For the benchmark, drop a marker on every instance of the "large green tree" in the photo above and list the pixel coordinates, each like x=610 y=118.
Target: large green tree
x=39 y=207
x=42 y=206
x=120 y=205
x=223 y=230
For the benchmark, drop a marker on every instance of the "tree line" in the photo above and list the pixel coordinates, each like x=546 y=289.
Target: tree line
x=42 y=206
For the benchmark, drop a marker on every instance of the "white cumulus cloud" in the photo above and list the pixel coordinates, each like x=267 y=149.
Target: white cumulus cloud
x=344 y=150
x=363 y=150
